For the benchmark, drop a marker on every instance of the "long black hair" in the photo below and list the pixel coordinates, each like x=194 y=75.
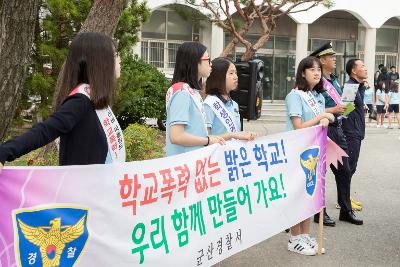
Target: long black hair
x=394 y=87
x=216 y=83
x=301 y=82
x=91 y=60
x=187 y=61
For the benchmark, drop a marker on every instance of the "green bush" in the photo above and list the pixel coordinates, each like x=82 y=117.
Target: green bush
x=141 y=92
x=143 y=142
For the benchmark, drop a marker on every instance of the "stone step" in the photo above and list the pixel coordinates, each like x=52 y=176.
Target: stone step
x=273 y=110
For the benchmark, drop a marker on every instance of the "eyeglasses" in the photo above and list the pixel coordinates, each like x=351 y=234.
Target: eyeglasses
x=206 y=58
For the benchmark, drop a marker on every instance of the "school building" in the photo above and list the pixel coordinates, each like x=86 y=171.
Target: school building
x=366 y=29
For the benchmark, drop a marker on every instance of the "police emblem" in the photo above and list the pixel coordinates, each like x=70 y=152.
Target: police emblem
x=51 y=236
x=309 y=163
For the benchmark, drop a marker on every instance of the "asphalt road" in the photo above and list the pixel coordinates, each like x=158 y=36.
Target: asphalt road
x=376 y=184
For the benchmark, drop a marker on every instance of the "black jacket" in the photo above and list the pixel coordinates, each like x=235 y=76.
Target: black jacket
x=354 y=125
x=82 y=138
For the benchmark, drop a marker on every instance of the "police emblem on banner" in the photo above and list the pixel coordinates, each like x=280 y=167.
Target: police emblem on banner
x=51 y=236
x=309 y=163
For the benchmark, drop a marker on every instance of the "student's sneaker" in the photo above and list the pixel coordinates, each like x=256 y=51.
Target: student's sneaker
x=390 y=127
x=378 y=126
x=297 y=244
x=312 y=242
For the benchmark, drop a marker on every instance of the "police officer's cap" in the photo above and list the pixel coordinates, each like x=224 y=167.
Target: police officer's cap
x=324 y=50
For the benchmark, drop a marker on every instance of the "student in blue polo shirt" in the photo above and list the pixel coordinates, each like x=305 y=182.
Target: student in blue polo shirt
x=380 y=103
x=394 y=104
x=222 y=112
x=300 y=114
x=186 y=118
x=368 y=100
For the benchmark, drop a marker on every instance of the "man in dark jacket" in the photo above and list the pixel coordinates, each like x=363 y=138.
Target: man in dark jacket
x=354 y=125
x=342 y=173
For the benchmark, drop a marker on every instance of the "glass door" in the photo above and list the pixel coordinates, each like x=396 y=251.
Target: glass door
x=283 y=76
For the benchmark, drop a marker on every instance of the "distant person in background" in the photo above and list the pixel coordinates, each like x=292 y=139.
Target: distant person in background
x=393 y=74
x=393 y=104
x=380 y=103
x=384 y=77
x=377 y=75
x=368 y=101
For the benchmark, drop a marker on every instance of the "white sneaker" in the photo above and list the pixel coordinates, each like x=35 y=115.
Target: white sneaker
x=297 y=244
x=378 y=126
x=312 y=242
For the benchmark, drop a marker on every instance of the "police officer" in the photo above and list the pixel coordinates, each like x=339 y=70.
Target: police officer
x=342 y=173
x=354 y=125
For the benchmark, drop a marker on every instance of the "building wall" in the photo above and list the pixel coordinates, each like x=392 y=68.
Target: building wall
x=334 y=28
x=346 y=23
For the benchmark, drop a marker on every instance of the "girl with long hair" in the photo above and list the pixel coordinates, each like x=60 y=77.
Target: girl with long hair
x=369 y=101
x=380 y=103
x=186 y=117
x=393 y=104
x=222 y=111
x=83 y=117
x=305 y=106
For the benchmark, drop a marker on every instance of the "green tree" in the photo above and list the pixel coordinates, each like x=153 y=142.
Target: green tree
x=57 y=24
x=141 y=92
x=17 y=30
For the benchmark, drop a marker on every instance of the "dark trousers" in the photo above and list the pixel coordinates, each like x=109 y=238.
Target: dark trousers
x=342 y=172
x=354 y=145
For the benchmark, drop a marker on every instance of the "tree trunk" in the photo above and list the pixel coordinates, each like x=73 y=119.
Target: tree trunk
x=17 y=31
x=232 y=44
x=104 y=16
x=260 y=42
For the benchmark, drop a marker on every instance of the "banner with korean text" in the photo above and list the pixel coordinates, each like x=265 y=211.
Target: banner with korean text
x=193 y=209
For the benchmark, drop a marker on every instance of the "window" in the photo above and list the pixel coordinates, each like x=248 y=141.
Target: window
x=178 y=28
x=157 y=54
x=387 y=40
x=172 y=49
x=156 y=26
x=163 y=34
x=285 y=43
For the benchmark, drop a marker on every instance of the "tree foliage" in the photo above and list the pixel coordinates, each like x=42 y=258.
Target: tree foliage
x=57 y=24
x=141 y=92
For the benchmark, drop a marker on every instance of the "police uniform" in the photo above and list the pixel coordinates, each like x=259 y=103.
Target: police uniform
x=336 y=133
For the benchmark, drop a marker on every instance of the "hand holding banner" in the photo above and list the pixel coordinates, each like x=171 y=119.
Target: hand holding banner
x=193 y=209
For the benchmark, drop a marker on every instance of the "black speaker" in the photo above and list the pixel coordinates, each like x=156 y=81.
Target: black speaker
x=248 y=95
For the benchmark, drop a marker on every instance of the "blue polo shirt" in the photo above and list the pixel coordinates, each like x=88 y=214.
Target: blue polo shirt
x=183 y=110
x=213 y=122
x=296 y=106
x=394 y=98
x=329 y=103
x=380 y=96
x=368 y=96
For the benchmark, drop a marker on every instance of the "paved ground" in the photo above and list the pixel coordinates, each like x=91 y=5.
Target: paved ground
x=376 y=184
